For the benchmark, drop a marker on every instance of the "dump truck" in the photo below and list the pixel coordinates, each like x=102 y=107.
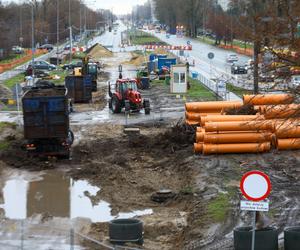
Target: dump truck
x=46 y=121
x=79 y=88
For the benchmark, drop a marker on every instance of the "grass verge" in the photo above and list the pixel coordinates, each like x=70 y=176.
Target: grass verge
x=237 y=90
x=198 y=90
x=143 y=38
x=14 y=80
x=218 y=208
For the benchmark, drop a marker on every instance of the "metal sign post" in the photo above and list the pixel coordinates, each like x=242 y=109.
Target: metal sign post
x=210 y=56
x=256 y=187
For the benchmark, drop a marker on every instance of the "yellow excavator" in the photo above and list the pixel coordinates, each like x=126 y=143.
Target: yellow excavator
x=88 y=68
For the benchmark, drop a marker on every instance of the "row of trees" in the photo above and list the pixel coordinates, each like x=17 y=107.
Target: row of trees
x=268 y=24
x=15 y=21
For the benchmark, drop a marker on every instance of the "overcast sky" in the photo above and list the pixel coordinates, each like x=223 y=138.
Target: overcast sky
x=118 y=6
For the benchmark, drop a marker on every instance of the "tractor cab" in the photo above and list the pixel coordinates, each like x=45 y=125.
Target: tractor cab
x=127 y=96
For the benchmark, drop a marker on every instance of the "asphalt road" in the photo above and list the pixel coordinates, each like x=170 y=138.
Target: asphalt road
x=200 y=52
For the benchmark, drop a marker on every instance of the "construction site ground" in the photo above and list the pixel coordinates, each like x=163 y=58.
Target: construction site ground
x=113 y=175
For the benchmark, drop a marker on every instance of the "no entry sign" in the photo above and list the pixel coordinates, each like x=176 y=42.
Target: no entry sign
x=255 y=186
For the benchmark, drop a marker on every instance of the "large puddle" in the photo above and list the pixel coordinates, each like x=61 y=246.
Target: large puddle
x=57 y=195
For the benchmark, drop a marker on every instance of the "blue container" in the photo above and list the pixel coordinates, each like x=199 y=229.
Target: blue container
x=161 y=56
x=152 y=57
x=45 y=113
x=151 y=67
x=145 y=82
x=79 y=88
x=166 y=62
x=195 y=75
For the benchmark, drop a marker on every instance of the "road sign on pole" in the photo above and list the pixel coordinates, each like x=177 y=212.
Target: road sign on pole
x=256 y=187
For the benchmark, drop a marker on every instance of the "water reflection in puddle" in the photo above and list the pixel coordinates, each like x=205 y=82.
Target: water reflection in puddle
x=57 y=195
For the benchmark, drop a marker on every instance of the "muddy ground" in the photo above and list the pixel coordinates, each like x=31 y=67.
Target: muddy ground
x=129 y=169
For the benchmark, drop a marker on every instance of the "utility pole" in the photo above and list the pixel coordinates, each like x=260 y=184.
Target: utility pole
x=57 y=30
x=85 y=32
x=32 y=40
x=70 y=27
x=80 y=21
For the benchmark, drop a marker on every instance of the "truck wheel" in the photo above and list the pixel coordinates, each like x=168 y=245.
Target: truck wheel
x=147 y=106
x=70 y=137
x=127 y=106
x=115 y=105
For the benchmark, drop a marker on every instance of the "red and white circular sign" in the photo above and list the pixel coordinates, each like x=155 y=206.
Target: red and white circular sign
x=255 y=185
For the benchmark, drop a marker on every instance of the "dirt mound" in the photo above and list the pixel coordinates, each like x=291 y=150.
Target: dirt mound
x=161 y=51
x=98 y=51
x=244 y=110
x=137 y=59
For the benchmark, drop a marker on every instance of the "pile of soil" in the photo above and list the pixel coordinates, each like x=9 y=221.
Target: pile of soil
x=137 y=59
x=98 y=51
x=244 y=110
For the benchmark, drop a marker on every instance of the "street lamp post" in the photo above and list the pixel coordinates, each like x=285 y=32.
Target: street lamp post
x=70 y=27
x=57 y=30
x=32 y=40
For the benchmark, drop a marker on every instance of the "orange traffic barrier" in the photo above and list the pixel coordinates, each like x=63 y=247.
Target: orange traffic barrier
x=286 y=144
x=280 y=111
x=198 y=147
x=223 y=118
x=268 y=99
x=240 y=126
x=236 y=138
x=211 y=107
x=236 y=148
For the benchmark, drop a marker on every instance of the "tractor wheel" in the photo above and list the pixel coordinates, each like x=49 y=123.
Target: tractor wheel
x=115 y=105
x=127 y=106
x=147 y=106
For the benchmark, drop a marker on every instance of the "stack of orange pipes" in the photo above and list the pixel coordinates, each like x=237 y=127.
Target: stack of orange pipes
x=246 y=133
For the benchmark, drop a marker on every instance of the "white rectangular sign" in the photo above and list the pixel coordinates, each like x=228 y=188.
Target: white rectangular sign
x=254 y=206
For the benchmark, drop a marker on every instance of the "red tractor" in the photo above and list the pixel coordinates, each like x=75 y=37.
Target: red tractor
x=127 y=96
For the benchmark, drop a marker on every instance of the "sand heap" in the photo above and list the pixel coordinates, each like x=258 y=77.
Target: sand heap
x=137 y=59
x=98 y=51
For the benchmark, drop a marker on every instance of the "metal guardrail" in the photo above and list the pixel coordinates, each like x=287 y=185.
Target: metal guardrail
x=14 y=236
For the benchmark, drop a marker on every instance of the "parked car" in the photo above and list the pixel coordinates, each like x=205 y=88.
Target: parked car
x=43 y=65
x=294 y=82
x=48 y=47
x=283 y=71
x=238 y=69
x=72 y=65
x=231 y=58
x=265 y=77
x=17 y=50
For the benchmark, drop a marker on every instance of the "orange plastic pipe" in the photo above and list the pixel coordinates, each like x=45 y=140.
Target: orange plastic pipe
x=236 y=138
x=197 y=116
x=198 y=147
x=287 y=132
x=200 y=129
x=286 y=144
x=239 y=126
x=200 y=136
x=236 y=148
x=210 y=106
x=268 y=99
x=223 y=118
x=280 y=111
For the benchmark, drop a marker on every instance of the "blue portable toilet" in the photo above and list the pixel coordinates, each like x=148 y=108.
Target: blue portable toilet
x=195 y=74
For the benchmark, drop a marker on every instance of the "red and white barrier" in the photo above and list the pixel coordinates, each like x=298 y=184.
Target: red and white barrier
x=169 y=47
